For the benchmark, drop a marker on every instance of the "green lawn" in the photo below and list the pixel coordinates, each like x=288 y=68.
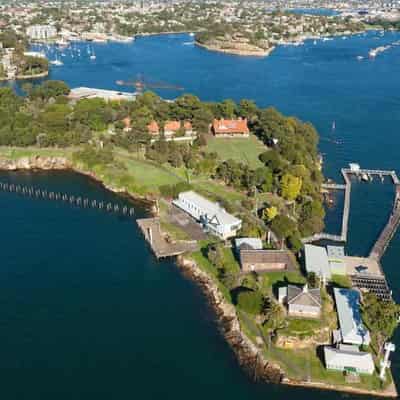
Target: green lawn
x=146 y=174
x=214 y=190
x=303 y=364
x=301 y=327
x=269 y=279
x=13 y=153
x=341 y=281
x=244 y=150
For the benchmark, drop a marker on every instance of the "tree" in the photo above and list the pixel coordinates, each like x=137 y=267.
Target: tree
x=228 y=108
x=290 y=186
x=283 y=226
x=54 y=89
x=248 y=109
x=273 y=313
x=381 y=317
x=312 y=279
x=270 y=213
x=272 y=159
x=294 y=243
x=250 y=301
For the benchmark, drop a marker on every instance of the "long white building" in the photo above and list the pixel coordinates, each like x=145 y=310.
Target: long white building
x=352 y=329
x=211 y=215
x=348 y=358
x=40 y=32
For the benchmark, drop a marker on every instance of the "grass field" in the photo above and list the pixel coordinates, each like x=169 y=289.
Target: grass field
x=13 y=153
x=245 y=150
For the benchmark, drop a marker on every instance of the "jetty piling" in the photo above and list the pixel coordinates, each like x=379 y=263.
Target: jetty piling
x=78 y=201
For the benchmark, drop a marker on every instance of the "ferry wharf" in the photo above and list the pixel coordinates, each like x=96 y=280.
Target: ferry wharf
x=365 y=272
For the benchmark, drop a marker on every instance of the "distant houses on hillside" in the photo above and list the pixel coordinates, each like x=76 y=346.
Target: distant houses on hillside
x=230 y=128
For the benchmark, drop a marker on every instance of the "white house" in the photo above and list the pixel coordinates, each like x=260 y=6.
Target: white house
x=348 y=358
x=352 y=329
x=211 y=215
x=301 y=301
x=41 y=32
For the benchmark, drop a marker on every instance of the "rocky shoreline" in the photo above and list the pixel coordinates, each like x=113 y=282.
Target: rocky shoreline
x=249 y=356
x=247 y=353
x=40 y=163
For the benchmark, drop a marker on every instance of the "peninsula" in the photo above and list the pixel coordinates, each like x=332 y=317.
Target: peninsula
x=219 y=26
x=234 y=189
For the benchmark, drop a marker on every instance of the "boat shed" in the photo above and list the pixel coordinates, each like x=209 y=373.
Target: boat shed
x=351 y=326
x=211 y=215
x=348 y=359
x=316 y=260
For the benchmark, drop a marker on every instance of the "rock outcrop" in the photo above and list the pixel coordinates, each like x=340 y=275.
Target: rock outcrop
x=248 y=354
x=37 y=162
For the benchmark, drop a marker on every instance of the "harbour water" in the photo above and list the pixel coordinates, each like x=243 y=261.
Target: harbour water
x=87 y=312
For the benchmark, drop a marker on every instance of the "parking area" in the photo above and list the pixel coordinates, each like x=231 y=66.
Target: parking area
x=186 y=223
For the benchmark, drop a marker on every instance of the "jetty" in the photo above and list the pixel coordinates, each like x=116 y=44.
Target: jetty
x=389 y=230
x=162 y=245
x=75 y=200
x=394 y=220
x=366 y=273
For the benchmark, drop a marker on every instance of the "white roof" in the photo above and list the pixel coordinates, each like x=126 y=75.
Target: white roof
x=87 y=93
x=317 y=260
x=209 y=208
x=354 y=166
x=349 y=358
x=254 y=243
x=348 y=308
x=337 y=267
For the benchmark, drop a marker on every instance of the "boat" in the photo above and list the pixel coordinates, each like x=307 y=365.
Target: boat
x=364 y=177
x=56 y=62
x=374 y=52
x=333 y=125
x=315 y=42
x=93 y=56
x=62 y=43
x=191 y=34
x=359 y=58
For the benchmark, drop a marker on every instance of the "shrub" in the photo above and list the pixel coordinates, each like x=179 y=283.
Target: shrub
x=250 y=301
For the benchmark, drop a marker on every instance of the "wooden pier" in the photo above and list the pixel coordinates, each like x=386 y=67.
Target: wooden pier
x=75 y=200
x=161 y=245
x=390 y=228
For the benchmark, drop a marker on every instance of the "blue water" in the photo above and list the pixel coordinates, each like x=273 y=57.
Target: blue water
x=122 y=325
x=314 y=11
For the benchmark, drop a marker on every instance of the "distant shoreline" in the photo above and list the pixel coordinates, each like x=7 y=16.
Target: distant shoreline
x=245 y=53
x=26 y=77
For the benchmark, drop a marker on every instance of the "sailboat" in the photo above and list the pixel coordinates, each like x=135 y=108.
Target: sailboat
x=93 y=55
x=56 y=62
x=333 y=125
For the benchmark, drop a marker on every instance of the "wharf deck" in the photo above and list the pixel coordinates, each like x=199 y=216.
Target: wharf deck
x=391 y=226
x=389 y=230
x=161 y=245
